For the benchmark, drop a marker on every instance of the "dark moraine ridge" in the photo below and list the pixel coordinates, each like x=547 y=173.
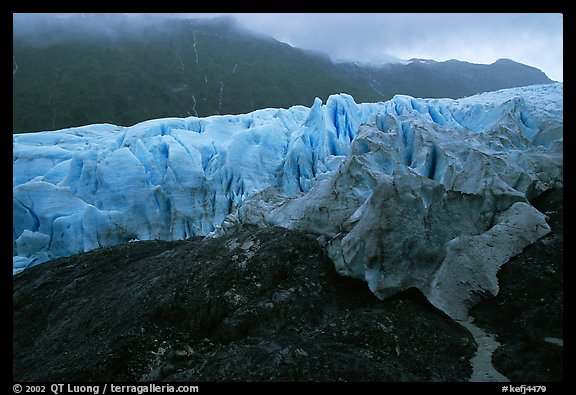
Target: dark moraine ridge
x=257 y=306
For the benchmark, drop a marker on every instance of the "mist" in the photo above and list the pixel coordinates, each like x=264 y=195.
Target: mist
x=533 y=39
x=47 y=29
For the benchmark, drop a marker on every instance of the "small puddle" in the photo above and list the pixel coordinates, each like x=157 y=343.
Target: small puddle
x=482 y=368
x=554 y=340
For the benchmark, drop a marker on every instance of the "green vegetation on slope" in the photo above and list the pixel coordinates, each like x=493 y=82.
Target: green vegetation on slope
x=201 y=68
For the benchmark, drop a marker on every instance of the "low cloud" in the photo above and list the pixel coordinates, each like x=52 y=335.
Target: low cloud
x=533 y=39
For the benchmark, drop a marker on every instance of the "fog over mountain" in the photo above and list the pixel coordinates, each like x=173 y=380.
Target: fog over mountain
x=77 y=69
x=530 y=38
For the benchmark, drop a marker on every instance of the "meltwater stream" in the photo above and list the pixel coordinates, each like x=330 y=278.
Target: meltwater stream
x=482 y=368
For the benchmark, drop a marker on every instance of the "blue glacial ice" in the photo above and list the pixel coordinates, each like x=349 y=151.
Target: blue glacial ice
x=424 y=193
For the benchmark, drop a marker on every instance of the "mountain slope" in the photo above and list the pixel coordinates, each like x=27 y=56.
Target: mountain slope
x=178 y=69
x=452 y=78
x=204 y=67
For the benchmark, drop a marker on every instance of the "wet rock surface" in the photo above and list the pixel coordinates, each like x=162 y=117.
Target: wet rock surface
x=261 y=305
x=527 y=314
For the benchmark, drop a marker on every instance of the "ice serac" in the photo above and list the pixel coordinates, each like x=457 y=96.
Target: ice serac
x=94 y=186
x=425 y=193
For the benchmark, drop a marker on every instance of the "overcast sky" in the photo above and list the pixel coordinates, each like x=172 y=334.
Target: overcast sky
x=532 y=39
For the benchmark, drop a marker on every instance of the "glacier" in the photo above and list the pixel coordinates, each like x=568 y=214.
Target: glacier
x=409 y=193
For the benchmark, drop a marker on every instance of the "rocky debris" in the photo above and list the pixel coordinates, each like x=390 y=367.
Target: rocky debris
x=527 y=314
x=259 y=305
